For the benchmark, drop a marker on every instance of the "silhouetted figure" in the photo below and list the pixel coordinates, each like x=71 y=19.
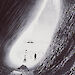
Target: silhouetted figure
x=26 y=50
x=35 y=56
x=32 y=42
x=24 y=58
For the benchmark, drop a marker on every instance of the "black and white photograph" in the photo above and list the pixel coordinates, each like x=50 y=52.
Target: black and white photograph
x=37 y=37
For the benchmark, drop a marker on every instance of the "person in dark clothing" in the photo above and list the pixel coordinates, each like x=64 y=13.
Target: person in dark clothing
x=35 y=56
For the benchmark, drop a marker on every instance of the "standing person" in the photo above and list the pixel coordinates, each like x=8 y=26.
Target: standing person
x=35 y=55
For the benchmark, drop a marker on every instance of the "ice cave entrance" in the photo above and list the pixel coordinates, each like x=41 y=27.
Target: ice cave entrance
x=32 y=44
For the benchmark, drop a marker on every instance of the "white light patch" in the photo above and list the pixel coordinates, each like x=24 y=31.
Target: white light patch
x=57 y=4
x=36 y=39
